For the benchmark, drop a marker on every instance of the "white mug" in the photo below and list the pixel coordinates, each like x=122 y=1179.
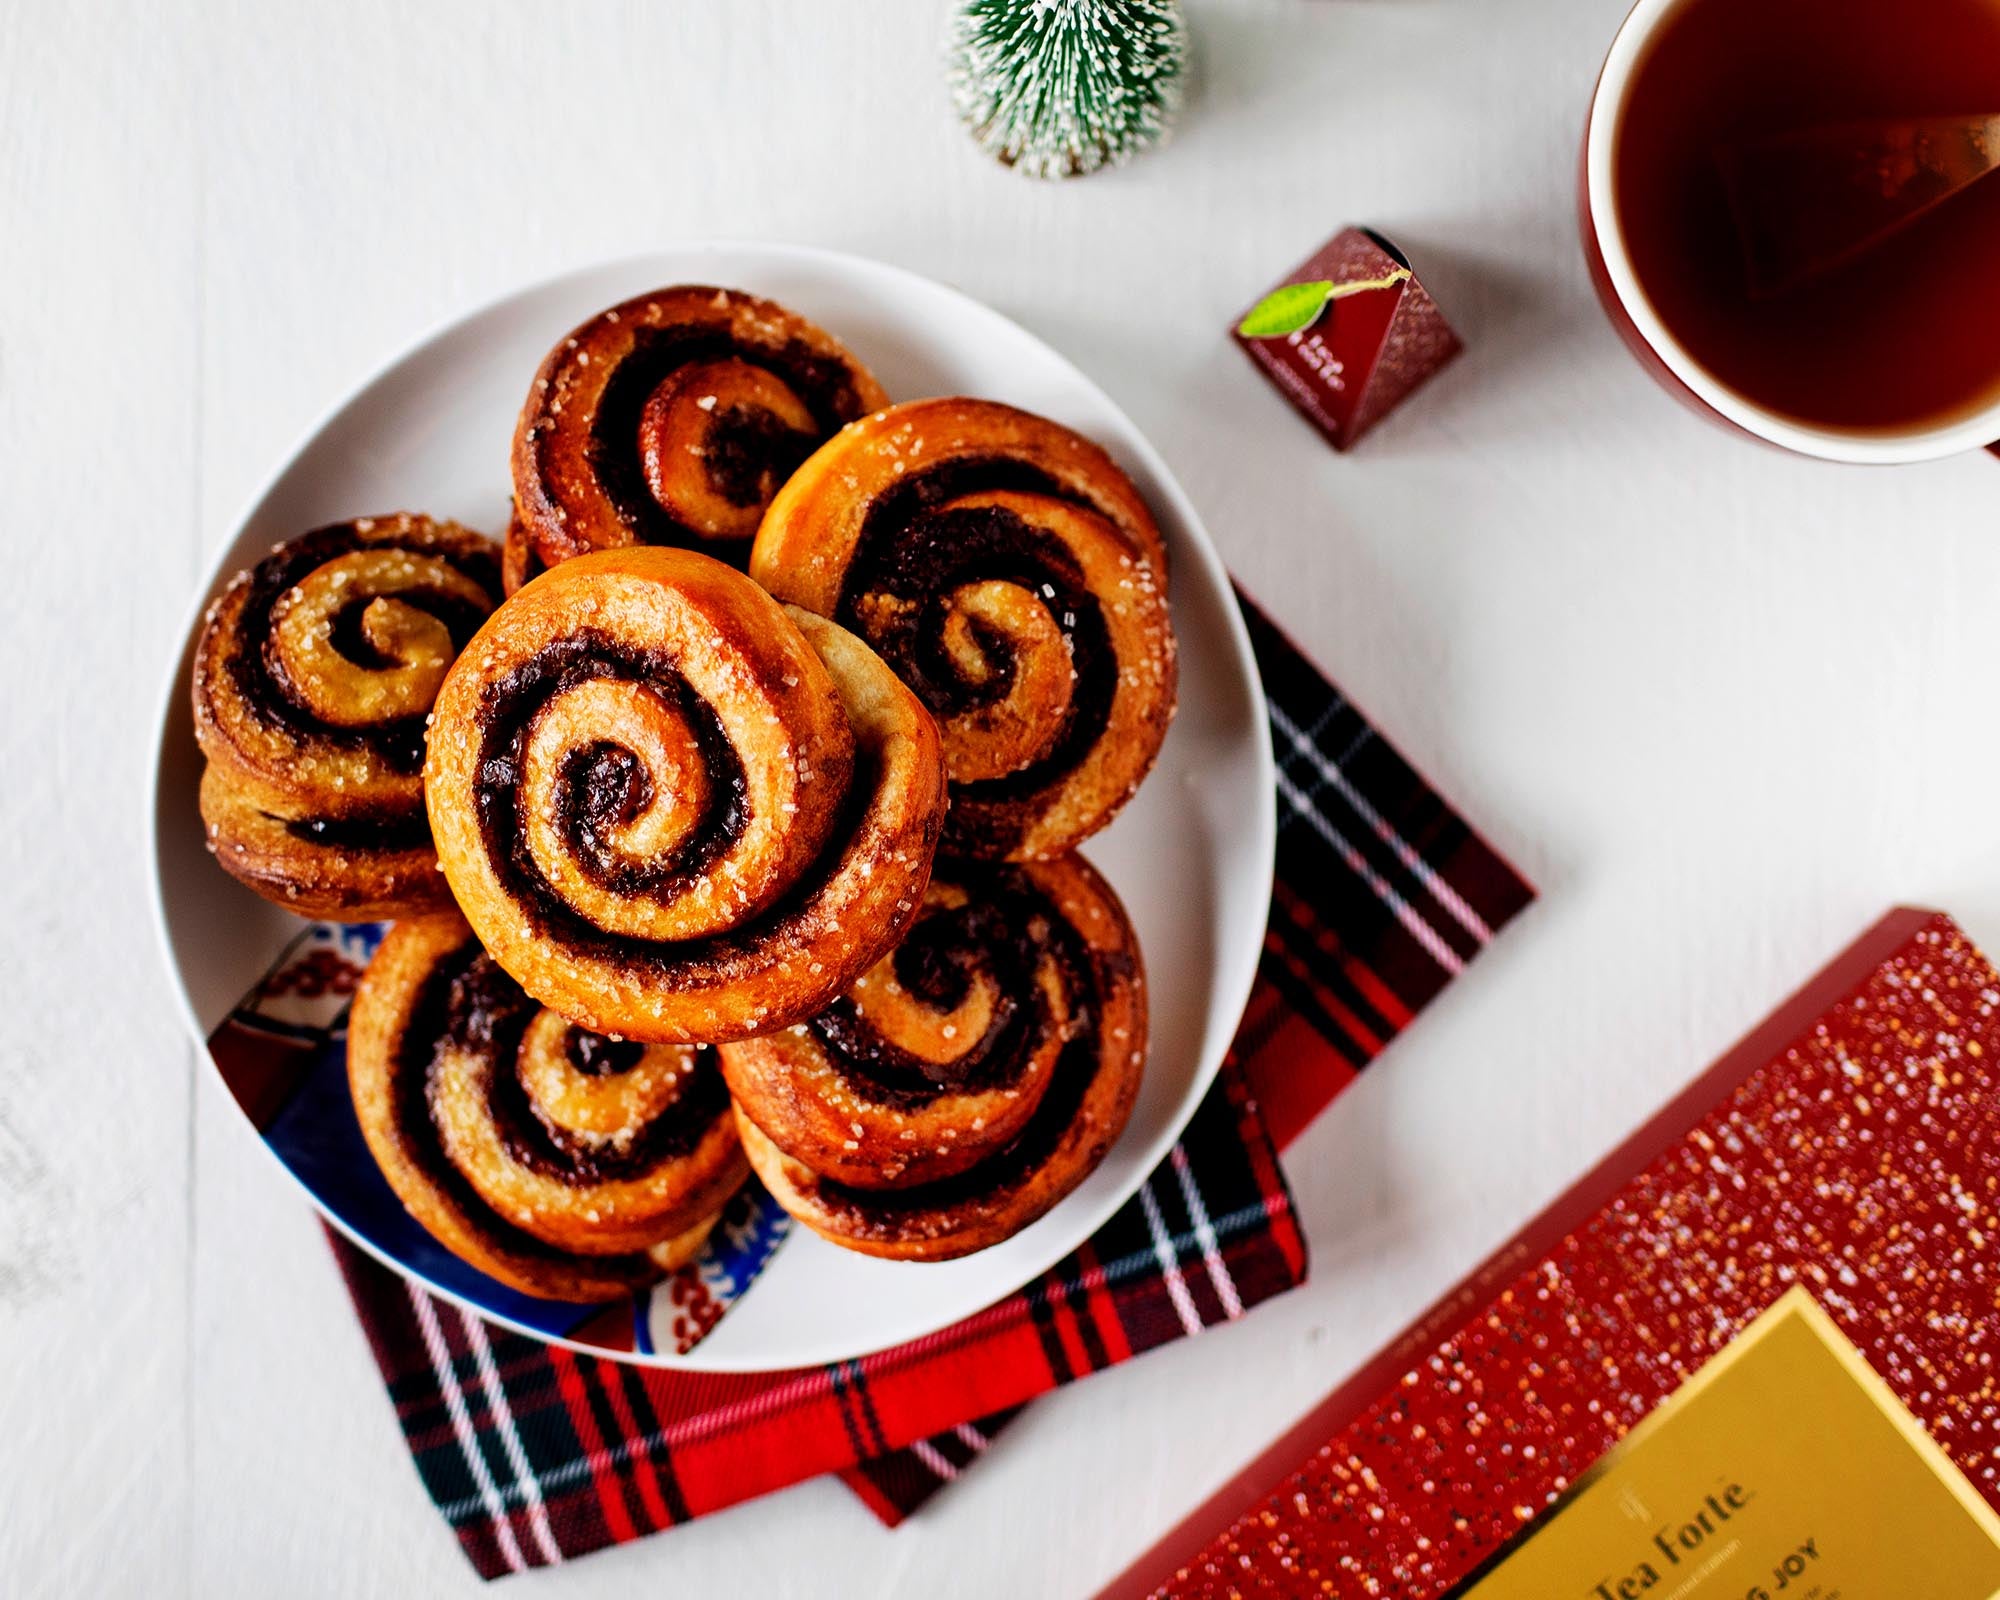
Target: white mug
x=1663 y=355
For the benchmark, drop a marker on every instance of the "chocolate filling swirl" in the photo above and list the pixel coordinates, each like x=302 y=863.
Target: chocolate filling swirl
x=750 y=452
x=342 y=833
x=469 y=1006
x=1076 y=1070
x=917 y=550
x=747 y=451
x=603 y=784
x=1087 y=974
x=259 y=677
x=1007 y=930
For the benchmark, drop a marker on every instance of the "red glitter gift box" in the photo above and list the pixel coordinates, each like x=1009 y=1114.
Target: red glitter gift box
x=1849 y=1147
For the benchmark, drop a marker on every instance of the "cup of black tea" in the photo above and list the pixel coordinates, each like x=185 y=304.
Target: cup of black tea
x=1792 y=214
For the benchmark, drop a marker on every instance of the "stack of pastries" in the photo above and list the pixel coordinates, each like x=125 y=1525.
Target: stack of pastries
x=727 y=813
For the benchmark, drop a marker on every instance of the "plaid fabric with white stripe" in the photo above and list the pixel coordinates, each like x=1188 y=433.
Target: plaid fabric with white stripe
x=536 y=1454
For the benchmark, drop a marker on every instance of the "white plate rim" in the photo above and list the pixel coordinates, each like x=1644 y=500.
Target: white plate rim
x=1239 y=967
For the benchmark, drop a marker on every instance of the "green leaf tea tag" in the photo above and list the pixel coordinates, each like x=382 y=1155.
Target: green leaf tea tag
x=1297 y=306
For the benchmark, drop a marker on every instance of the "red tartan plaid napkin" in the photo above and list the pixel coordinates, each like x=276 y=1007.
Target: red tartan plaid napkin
x=535 y=1454
x=1382 y=893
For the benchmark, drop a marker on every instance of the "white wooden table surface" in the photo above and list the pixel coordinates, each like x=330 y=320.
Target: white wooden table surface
x=1724 y=706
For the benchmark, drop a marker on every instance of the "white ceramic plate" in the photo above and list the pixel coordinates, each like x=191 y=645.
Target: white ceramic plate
x=1191 y=856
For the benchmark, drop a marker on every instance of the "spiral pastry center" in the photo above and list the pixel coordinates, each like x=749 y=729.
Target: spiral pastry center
x=592 y=1089
x=932 y=1035
x=354 y=643
x=984 y=602
x=345 y=639
x=673 y=418
x=610 y=784
x=1012 y=659
x=529 y=1130
x=616 y=792
x=716 y=439
x=980 y=986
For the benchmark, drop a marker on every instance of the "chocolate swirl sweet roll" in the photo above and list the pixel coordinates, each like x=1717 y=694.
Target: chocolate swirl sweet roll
x=967 y=1083
x=673 y=418
x=312 y=679
x=1011 y=575
x=561 y=1161
x=674 y=810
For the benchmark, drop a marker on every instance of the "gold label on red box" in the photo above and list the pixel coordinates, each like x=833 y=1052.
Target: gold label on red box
x=1784 y=1470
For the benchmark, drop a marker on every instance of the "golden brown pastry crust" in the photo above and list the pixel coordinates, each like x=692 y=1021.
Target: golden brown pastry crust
x=1009 y=572
x=342 y=878
x=563 y=1163
x=672 y=418
x=935 y=1057
x=1049 y=940
x=518 y=561
x=673 y=810
x=313 y=675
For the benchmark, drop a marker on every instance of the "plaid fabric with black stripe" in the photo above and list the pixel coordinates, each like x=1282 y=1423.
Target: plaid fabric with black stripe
x=1383 y=894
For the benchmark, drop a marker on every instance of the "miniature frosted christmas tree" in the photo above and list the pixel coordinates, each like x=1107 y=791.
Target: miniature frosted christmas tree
x=1058 y=88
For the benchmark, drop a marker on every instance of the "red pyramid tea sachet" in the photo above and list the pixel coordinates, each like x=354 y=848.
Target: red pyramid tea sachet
x=1348 y=334
x=1809 y=201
